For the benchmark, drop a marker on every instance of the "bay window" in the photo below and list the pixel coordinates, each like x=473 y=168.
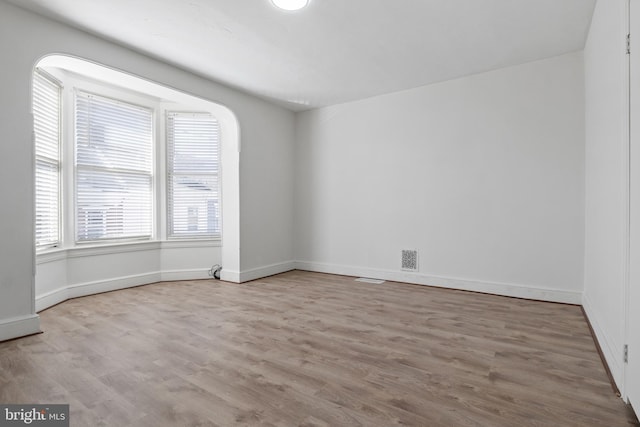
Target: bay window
x=117 y=141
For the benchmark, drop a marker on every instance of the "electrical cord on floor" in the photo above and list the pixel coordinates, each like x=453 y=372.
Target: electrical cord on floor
x=214 y=271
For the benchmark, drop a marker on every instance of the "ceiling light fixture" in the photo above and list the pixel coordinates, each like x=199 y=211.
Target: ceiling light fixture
x=290 y=4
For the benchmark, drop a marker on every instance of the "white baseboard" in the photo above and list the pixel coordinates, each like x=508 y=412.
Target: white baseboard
x=51 y=298
x=268 y=270
x=99 y=286
x=504 y=289
x=608 y=347
x=191 y=274
x=90 y=288
x=57 y=296
x=19 y=326
x=230 y=275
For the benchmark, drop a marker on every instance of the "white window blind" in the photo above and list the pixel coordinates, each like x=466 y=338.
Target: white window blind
x=193 y=146
x=114 y=169
x=46 y=124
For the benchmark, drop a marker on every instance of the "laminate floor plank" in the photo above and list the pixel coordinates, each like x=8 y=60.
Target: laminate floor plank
x=309 y=349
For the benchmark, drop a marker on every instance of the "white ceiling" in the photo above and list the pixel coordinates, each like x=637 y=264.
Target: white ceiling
x=334 y=50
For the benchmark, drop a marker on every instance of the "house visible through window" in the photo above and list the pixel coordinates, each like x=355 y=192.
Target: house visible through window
x=114 y=169
x=192 y=174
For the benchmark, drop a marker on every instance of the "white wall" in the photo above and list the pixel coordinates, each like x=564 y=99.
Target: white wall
x=483 y=175
x=264 y=128
x=266 y=182
x=606 y=201
x=76 y=272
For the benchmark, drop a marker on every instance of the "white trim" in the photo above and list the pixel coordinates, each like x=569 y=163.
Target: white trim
x=81 y=251
x=612 y=357
x=174 y=243
x=99 y=286
x=51 y=256
x=65 y=293
x=626 y=195
x=504 y=289
x=16 y=327
x=267 y=270
x=52 y=298
x=230 y=275
x=91 y=288
x=187 y=274
x=59 y=254
x=630 y=388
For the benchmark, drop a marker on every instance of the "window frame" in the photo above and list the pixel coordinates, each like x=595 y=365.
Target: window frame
x=171 y=234
x=116 y=96
x=57 y=164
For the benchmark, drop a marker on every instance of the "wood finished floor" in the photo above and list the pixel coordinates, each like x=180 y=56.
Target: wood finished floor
x=308 y=349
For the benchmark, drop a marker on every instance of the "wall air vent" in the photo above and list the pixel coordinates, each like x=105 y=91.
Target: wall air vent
x=409 y=260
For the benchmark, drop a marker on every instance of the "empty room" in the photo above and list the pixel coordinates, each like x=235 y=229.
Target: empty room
x=320 y=213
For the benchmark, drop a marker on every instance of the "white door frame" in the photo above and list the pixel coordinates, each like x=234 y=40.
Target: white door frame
x=631 y=370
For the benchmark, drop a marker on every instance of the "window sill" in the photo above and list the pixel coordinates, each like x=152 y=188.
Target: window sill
x=88 y=250
x=176 y=243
